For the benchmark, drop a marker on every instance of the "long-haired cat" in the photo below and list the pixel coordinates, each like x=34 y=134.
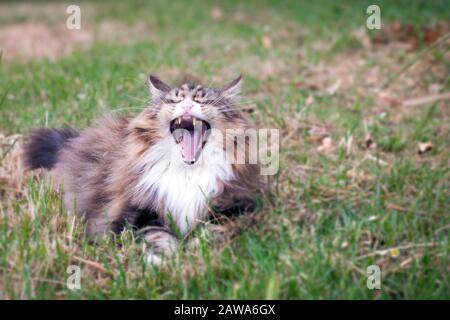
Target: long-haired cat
x=159 y=171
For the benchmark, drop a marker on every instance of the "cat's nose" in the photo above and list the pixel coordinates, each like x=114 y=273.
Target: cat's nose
x=187 y=107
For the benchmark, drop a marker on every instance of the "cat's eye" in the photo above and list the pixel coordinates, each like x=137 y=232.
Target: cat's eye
x=172 y=101
x=199 y=100
x=212 y=102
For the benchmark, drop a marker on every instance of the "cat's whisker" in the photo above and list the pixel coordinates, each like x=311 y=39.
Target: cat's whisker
x=129 y=108
x=242 y=107
x=237 y=105
x=137 y=99
x=119 y=110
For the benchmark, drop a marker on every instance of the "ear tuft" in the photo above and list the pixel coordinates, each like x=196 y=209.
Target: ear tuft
x=157 y=87
x=232 y=90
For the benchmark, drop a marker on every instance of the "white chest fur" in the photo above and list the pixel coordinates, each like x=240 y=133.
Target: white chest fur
x=183 y=190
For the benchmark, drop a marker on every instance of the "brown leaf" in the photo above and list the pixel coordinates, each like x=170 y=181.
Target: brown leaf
x=369 y=143
x=307 y=85
x=326 y=146
x=424 y=147
x=388 y=99
x=331 y=90
x=317 y=134
x=431 y=35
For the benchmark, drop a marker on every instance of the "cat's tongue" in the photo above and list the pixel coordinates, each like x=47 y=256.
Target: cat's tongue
x=191 y=143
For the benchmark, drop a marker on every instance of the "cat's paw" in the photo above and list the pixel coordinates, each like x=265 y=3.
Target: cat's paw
x=194 y=243
x=154 y=259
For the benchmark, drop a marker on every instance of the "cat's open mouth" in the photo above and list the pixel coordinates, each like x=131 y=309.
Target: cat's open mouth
x=190 y=134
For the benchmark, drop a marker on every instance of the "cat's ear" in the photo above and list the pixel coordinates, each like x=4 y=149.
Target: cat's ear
x=157 y=87
x=232 y=90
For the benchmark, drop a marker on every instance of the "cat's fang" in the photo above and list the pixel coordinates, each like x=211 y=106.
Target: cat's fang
x=190 y=134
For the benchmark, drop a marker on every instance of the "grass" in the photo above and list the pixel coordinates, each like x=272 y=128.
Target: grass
x=333 y=210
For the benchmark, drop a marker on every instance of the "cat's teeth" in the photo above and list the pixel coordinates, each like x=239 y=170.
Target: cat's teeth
x=194 y=120
x=179 y=120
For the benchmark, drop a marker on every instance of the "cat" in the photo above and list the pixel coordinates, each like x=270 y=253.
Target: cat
x=160 y=172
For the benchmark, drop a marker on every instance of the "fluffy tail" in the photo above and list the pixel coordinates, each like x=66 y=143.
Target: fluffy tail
x=42 y=147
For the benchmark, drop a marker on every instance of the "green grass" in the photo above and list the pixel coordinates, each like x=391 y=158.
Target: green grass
x=329 y=215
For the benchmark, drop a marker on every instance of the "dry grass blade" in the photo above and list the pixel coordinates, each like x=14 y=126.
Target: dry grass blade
x=396 y=249
x=424 y=100
x=92 y=264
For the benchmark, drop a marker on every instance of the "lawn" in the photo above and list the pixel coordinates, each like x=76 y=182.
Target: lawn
x=364 y=161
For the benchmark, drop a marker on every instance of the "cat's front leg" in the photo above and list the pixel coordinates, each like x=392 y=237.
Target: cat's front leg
x=231 y=204
x=161 y=242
